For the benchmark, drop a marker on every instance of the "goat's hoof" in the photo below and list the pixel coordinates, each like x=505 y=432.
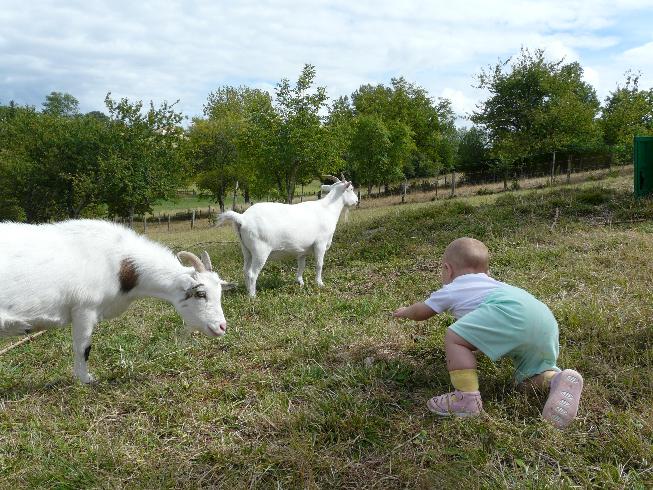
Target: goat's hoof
x=87 y=379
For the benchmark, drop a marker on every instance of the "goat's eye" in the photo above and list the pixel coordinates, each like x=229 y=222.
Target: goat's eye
x=200 y=294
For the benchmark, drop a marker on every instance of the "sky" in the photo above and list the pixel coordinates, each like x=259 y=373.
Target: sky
x=183 y=50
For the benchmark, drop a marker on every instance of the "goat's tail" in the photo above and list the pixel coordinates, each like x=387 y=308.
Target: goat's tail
x=237 y=218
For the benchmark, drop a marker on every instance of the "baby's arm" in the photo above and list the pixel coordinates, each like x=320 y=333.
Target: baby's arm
x=418 y=312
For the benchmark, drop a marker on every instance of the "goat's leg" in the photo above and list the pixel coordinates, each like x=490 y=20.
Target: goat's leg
x=301 y=265
x=258 y=261
x=247 y=263
x=320 y=250
x=83 y=323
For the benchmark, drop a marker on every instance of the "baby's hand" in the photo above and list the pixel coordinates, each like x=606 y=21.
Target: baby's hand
x=399 y=312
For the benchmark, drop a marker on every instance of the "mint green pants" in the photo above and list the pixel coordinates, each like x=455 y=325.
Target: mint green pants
x=513 y=323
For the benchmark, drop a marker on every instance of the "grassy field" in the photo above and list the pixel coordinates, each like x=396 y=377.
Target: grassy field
x=320 y=388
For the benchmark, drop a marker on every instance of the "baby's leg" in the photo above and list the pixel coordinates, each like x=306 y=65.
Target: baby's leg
x=460 y=353
x=461 y=364
x=540 y=382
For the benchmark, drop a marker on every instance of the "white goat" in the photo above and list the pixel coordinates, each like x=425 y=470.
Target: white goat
x=84 y=271
x=275 y=230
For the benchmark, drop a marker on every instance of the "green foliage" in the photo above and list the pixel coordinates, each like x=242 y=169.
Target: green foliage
x=536 y=106
x=430 y=125
x=51 y=162
x=144 y=162
x=473 y=149
x=369 y=150
x=303 y=143
x=60 y=104
x=223 y=147
x=628 y=112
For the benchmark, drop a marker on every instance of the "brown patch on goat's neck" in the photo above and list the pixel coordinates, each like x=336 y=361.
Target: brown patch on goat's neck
x=128 y=276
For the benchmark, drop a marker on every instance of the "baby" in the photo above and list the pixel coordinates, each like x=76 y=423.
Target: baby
x=501 y=321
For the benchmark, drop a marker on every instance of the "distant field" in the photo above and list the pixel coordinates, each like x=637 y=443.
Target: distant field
x=186 y=203
x=320 y=388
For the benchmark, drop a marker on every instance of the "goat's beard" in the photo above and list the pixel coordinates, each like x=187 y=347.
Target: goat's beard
x=346 y=217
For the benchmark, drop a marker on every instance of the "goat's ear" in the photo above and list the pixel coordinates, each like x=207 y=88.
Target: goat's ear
x=206 y=260
x=228 y=286
x=325 y=188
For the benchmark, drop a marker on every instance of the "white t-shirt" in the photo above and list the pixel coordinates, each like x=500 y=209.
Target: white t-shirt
x=462 y=295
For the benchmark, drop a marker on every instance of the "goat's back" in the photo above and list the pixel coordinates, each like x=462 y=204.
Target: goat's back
x=292 y=226
x=68 y=262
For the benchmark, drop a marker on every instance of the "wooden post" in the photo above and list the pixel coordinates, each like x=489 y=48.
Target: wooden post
x=553 y=167
x=358 y=204
x=144 y=224
x=168 y=222
x=404 y=186
x=192 y=220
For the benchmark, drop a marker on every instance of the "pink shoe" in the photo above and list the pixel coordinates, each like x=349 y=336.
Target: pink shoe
x=458 y=403
x=561 y=406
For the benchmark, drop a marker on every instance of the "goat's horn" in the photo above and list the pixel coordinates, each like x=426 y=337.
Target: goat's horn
x=342 y=174
x=331 y=178
x=206 y=260
x=193 y=259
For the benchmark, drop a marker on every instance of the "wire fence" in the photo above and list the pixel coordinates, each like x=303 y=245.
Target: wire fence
x=446 y=184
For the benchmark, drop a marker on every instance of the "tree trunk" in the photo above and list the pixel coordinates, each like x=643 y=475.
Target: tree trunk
x=233 y=202
x=568 y=168
x=221 y=203
x=453 y=183
x=437 y=181
x=553 y=167
x=246 y=194
x=505 y=180
x=369 y=189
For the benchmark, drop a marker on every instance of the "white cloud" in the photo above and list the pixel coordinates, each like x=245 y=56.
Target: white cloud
x=183 y=50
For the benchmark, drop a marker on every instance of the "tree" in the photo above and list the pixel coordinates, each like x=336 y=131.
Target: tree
x=370 y=150
x=535 y=106
x=51 y=162
x=628 y=111
x=145 y=162
x=60 y=104
x=304 y=147
x=340 y=126
x=219 y=145
x=410 y=105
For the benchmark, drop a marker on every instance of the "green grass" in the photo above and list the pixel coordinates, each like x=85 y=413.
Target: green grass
x=320 y=388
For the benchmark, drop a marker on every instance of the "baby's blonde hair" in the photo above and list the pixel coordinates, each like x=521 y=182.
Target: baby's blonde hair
x=467 y=254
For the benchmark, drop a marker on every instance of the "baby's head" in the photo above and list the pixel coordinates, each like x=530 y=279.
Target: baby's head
x=464 y=256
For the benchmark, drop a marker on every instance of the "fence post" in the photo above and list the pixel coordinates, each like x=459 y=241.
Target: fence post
x=192 y=220
x=358 y=204
x=168 y=222
x=144 y=224
x=404 y=186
